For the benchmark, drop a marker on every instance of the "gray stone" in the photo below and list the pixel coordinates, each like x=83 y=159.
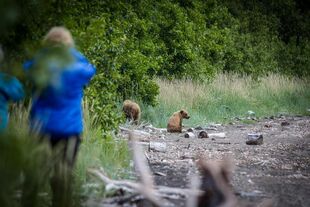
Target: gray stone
x=254 y=139
x=190 y=130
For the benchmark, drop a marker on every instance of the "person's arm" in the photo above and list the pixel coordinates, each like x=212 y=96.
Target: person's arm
x=11 y=87
x=85 y=68
x=16 y=90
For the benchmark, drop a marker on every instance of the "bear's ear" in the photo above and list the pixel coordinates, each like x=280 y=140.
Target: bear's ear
x=181 y=111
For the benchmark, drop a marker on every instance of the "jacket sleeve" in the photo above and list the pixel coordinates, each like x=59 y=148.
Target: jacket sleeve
x=88 y=72
x=16 y=90
x=12 y=88
x=85 y=68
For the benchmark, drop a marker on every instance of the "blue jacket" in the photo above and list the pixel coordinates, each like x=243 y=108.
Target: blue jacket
x=10 y=90
x=57 y=110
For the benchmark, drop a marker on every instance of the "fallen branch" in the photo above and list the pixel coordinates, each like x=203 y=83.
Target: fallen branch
x=141 y=166
x=132 y=186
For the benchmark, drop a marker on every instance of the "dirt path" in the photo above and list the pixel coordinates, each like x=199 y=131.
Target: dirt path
x=278 y=169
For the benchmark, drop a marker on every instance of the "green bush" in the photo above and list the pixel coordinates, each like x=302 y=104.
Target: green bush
x=132 y=42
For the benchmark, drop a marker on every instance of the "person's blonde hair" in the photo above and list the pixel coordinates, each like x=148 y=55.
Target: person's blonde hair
x=59 y=35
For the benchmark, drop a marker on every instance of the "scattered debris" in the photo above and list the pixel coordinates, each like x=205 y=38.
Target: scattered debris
x=254 y=139
x=285 y=123
x=150 y=128
x=138 y=134
x=160 y=173
x=255 y=193
x=268 y=125
x=158 y=146
x=198 y=128
x=251 y=113
x=222 y=142
x=237 y=118
x=211 y=128
x=215 y=125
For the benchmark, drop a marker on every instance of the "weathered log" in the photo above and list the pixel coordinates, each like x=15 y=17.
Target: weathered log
x=158 y=146
x=217 y=135
x=132 y=186
x=138 y=134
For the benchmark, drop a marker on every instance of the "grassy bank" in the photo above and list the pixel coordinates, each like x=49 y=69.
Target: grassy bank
x=229 y=96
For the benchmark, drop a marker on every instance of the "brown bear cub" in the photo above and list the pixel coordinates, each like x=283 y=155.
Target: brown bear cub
x=175 y=121
x=132 y=111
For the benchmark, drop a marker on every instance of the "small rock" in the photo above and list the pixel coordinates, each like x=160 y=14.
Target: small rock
x=254 y=139
x=285 y=123
x=203 y=134
x=190 y=130
x=308 y=110
x=189 y=135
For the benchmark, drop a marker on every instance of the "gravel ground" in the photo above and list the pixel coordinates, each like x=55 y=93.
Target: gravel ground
x=277 y=169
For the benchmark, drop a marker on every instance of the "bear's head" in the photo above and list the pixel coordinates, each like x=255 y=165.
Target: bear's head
x=184 y=114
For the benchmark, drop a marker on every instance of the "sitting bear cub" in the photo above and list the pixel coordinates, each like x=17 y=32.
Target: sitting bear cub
x=175 y=121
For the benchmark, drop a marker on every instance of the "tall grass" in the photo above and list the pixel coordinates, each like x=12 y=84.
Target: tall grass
x=229 y=96
x=21 y=155
x=101 y=150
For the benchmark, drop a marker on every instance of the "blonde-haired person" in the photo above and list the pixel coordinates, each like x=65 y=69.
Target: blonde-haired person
x=56 y=111
x=59 y=35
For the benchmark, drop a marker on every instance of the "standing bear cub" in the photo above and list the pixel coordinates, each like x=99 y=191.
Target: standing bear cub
x=175 y=121
x=132 y=111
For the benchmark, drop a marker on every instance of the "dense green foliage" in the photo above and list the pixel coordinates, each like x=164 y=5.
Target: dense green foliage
x=133 y=41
